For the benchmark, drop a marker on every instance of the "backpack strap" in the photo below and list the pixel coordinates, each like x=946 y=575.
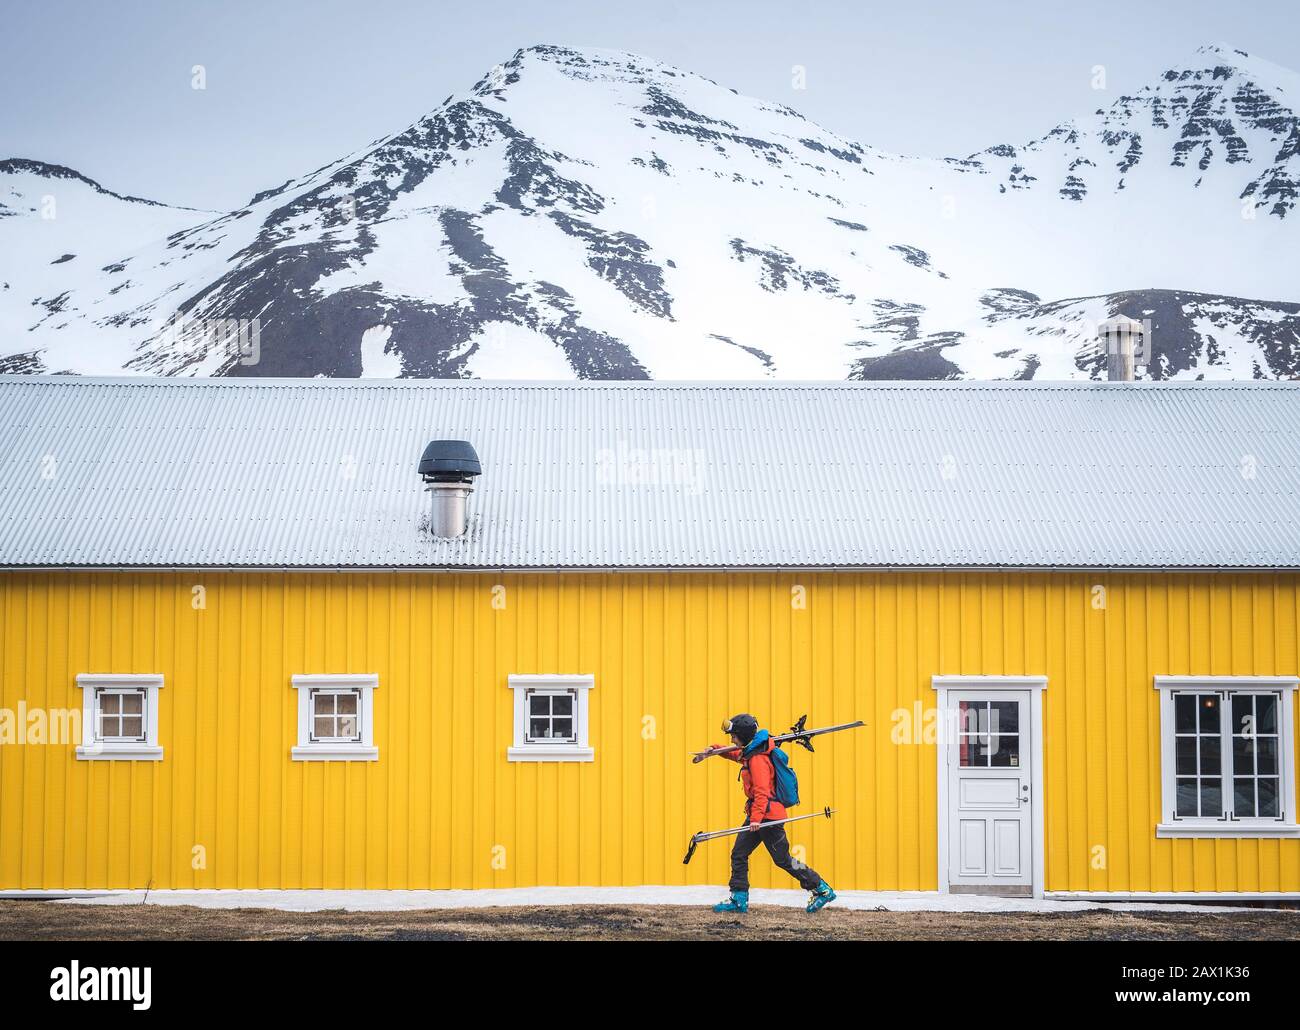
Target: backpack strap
x=744 y=762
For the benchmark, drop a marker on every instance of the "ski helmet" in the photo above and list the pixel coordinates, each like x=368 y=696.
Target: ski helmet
x=744 y=726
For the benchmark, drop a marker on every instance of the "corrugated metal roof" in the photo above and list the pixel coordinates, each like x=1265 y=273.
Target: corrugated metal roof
x=322 y=473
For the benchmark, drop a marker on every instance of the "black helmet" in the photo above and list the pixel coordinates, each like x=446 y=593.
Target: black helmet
x=744 y=726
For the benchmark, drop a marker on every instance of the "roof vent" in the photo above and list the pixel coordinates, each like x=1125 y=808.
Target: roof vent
x=449 y=468
x=1124 y=343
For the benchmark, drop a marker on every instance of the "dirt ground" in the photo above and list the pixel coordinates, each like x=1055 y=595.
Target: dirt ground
x=33 y=920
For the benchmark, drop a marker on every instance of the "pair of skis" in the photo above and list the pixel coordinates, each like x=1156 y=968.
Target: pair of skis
x=702 y=836
x=799 y=735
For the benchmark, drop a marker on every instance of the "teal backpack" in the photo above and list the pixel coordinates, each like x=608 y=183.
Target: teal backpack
x=785 y=784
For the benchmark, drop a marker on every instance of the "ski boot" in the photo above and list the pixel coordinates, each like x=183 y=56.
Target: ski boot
x=822 y=896
x=738 y=902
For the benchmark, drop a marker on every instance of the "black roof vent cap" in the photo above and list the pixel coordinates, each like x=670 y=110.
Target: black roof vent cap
x=450 y=461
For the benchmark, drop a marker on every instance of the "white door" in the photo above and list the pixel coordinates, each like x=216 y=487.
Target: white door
x=990 y=808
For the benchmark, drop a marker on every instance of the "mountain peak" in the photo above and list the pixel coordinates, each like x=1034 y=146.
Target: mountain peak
x=594 y=213
x=595 y=65
x=1221 y=61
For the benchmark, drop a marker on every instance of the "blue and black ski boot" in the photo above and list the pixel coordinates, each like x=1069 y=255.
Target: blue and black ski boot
x=821 y=897
x=738 y=902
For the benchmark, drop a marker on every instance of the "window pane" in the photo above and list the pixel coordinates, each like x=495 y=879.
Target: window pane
x=110 y=726
x=1211 y=799
x=1266 y=756
x=975 y=749
x=562 y=705
x=1243 y=797
x=345 y=704
x=324 y=703
x=1006 y=750
x=132 y=726
x=324 y=726
x=110 y=704
x=1185 y=713
x=1185 y=756
x=1210 y=756
x=1209 y=706
x=1268 y=797
x=974 y=716
x=539 y=729
x=1005 y=716
x=1187 y=797
x=539 y=704
x=1243 y=713
x=132 y=704
x=1265 y=713
x=347 y=725
x=1243 y=756
x=562 y=728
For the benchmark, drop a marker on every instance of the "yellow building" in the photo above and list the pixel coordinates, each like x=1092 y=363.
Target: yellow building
x=247 y=645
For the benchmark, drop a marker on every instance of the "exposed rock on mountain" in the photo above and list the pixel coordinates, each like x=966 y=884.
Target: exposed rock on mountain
x=585 y=213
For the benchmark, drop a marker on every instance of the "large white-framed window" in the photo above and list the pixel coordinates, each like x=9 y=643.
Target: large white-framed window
x=336 y=718
x=1227 y=756
x=119 y=716
x=551 y=718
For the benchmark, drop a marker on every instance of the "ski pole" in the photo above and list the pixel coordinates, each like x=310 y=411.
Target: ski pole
x=797 y=734
x=704 y=835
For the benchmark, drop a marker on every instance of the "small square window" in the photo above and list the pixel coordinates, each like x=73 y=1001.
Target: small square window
x=336 y=718
x=550 y=718
x=334 y=715
x=119 y=716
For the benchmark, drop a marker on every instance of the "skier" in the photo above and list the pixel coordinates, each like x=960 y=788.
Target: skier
x=757 y=779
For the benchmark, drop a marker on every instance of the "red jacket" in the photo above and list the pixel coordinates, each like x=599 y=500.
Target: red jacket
x=756 y=777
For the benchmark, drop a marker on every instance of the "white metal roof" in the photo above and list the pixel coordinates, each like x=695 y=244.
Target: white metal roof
x=322 y=474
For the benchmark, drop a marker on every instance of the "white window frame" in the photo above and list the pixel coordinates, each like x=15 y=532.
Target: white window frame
x=524 y=750
x=94 y=749
x=364 y=750
x=1230 y=826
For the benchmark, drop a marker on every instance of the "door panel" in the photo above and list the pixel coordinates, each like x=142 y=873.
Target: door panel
x=989 y=772
x=973 y=849
x=981 y=793
x=1007 y=840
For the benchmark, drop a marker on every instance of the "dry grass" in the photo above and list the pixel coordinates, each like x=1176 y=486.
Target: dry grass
x=33 y=920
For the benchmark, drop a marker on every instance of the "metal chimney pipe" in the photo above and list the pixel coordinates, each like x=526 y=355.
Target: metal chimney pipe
x=448 y=513
x=1120 y=337
x=449 y=468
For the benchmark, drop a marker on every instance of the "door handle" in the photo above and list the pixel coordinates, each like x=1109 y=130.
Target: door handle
x=1025 y=796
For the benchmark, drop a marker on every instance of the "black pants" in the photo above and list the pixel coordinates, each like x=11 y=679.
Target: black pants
x=778 y=846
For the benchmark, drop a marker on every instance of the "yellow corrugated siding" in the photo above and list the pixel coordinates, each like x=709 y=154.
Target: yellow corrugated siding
x=672 y=654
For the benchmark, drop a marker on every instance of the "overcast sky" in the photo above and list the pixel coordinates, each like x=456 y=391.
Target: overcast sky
x=291 y=85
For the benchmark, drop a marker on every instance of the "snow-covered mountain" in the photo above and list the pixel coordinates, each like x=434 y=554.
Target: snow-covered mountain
x=594 y=214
